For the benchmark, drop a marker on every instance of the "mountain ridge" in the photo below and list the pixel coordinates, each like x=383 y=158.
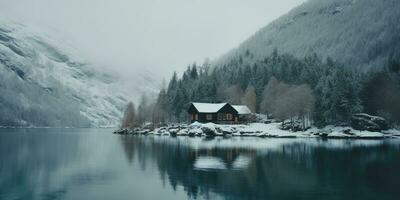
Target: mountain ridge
x=45 y=83
x=358 y=33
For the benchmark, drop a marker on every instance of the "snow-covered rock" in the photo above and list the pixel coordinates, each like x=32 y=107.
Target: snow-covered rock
x=173 y=130
x=195 y=132
x=271 y=130
x=293 y=126
x=348 y=132
x=209 y=129
x=182 y=132
x=367 y=122
x=393 y=132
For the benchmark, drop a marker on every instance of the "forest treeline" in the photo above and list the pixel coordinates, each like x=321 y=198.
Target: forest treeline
x=282 y=86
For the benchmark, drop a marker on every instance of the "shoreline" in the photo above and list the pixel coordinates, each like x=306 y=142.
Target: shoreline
x=260 y=130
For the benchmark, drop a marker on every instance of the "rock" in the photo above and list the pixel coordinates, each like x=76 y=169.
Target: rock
x=173 y=131
x=194 y=131
x=182 y=132
x=183 y=126
x=348 y=132
x=161 y=130
x=262 y=135
x=122 y=131
x=165 y=133
x=367 y=122
x=295 y=126
x=209 y=130
x=324 y=135
x=142 y=132
x=227 y=131
x=250 y=133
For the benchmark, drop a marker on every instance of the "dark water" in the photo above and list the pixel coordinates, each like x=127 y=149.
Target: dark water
x=94 y=164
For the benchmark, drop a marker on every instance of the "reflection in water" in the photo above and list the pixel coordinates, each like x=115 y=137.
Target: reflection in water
x=94 y=164
x=214 y=163
x=45 y=164
x=273 y=168
x=209 y=163
x=241 y=162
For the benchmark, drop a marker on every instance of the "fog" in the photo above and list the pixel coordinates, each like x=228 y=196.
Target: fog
x=158 y=36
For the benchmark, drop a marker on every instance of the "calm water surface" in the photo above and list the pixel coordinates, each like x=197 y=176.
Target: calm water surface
x=94 y=164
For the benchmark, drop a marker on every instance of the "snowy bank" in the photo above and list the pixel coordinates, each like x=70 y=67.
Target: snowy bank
x=271 y=130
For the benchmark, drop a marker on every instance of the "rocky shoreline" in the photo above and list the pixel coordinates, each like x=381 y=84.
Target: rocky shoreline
x=262 y=130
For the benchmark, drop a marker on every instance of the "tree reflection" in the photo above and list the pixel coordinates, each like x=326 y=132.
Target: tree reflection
x=47 y=163
x=293 y=170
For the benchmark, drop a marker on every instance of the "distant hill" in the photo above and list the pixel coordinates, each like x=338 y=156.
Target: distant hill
x=358 y=33
x=43 y=82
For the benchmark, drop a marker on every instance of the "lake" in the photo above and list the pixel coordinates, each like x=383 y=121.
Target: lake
x=95 y=164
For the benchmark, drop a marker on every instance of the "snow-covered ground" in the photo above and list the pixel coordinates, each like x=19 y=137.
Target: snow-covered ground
x=270 y=130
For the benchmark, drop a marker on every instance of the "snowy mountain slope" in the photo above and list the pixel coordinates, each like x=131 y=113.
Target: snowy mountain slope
x=43 y=84
x=358 y=33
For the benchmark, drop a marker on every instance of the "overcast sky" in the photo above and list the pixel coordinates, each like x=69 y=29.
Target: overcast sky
x=157 y=35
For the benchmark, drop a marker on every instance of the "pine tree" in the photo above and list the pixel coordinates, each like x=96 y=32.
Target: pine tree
x=335 y=89
x=160 y=112
x=193 y=72
x=143 y=110
x=129 y=120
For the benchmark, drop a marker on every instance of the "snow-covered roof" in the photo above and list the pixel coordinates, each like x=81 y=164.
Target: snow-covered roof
x=215 y=107
x=208 y=107
x=242 y=110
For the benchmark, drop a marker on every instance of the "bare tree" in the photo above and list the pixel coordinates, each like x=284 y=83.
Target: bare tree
x=281 y=106
x=269 y=96
x=304 y=103
x=288 y=102
x=250 y=99
x=232 y=94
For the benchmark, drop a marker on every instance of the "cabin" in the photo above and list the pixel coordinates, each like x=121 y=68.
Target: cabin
x=219 y=113
x=244 y=112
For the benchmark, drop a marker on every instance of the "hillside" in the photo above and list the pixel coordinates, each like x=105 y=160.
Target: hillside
x=342 y=54
x=358 y=33
x=45 y=83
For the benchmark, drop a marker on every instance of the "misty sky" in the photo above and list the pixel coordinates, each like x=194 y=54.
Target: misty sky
x=157 y=35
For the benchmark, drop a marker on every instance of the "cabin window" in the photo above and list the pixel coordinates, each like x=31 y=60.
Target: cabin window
x=221 y=116
x=208 y=117
x=225 y=116
x=196 y=117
